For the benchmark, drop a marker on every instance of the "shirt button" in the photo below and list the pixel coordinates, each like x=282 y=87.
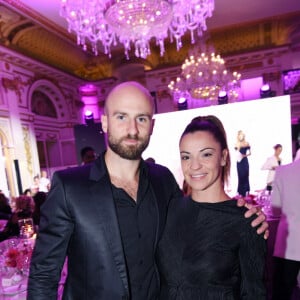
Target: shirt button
x=141 y=262
x=140 y=235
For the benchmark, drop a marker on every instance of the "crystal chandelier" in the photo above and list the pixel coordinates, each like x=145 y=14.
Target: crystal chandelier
x=204 y=76
x=136 y=22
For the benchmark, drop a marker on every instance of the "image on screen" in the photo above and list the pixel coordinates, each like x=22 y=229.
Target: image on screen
x=265 y=122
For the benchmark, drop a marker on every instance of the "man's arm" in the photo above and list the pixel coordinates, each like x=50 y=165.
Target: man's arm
x=260 y=220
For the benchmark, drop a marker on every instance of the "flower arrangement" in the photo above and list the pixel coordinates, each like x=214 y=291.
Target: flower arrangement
x=250 y=198
x=15 y=256
x=19 y=257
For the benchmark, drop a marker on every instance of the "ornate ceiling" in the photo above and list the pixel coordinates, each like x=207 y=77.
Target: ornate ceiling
x=28 y=32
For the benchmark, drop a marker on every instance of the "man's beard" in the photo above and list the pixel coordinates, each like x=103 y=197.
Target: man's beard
x=133 y=152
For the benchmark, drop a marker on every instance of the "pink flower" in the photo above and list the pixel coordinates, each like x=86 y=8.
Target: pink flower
x=19 y=256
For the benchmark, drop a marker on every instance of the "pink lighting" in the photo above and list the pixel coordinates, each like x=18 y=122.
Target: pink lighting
x=222 y=94
x=222 y=98
x=89 y=117
x=182 y=100
x=265 y=87
x=291 y=81
x=89 y=96
x=266 y=92
x=182 y=103
x=88 y=113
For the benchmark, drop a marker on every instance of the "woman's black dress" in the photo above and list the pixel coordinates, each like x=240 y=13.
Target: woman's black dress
x=243 y=173
x=209 y=251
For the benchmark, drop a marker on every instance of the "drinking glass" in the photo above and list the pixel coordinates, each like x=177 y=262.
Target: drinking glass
x=26 y=228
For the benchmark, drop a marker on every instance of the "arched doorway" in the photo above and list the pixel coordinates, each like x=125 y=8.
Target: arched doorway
x=52 y=116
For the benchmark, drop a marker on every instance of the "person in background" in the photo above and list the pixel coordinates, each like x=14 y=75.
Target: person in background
x=5 y=209
x=286 y=205
x=44 y=183
x=108 y=216
x=243 y=151
x=27 y=192
x=39 y=198
x=271 y=164
x=35 y=185
x=88 y=155
x=208 y=249
x=24 y=207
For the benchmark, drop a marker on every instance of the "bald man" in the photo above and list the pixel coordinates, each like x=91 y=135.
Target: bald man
x=107 y=217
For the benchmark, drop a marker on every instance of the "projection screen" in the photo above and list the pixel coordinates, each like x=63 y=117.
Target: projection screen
x=265 y=122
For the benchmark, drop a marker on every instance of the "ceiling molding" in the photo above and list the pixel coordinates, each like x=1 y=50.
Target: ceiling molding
x=29 y=33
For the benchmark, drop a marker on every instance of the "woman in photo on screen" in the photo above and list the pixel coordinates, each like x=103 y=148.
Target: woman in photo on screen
x=243 y=150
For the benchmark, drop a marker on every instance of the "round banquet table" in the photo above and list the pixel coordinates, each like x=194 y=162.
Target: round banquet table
x=15 y=257
x=15 y=254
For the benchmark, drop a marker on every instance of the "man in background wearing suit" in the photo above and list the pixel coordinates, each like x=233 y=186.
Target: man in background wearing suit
x=286 y=204
x=88 y=155
x=108 y=216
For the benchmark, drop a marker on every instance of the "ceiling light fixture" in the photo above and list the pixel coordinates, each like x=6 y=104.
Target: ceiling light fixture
x=182 y=103
x=204 y=75
x=89 y=117
x=135 y=22
x=222 y=97
x=265 y=91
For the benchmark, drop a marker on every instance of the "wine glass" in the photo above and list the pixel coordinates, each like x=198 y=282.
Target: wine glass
x=26 y=228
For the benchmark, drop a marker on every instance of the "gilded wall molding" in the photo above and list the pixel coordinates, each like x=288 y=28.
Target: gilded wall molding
x=27 y=147
x=16 y=84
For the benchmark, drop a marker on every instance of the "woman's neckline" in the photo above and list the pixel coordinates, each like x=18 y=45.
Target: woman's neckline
x=218 y=202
